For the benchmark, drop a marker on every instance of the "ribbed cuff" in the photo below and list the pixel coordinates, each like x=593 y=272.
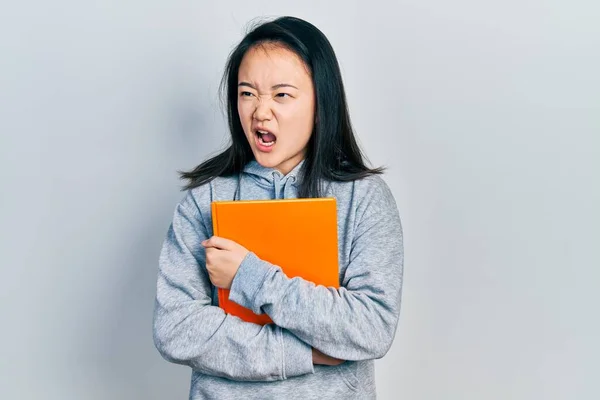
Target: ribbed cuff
x=248 y=281
x=297 y=356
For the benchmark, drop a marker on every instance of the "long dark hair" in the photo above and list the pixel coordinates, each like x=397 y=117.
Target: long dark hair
x=332 y=153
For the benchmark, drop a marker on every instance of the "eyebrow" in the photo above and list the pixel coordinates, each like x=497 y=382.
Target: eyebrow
x=274 y=87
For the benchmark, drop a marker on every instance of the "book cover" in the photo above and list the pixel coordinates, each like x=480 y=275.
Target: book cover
x=297 y=235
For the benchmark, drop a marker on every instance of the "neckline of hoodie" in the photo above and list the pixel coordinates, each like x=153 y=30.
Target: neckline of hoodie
x=268 y=174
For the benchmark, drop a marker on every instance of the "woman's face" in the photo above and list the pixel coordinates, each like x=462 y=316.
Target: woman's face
x=276 y=105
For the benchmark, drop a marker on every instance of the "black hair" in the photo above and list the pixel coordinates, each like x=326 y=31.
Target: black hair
x=333 y=152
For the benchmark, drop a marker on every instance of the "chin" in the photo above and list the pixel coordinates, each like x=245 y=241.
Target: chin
x=266 y=161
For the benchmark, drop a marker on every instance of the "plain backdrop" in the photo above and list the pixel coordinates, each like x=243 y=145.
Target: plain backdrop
x=486 y=113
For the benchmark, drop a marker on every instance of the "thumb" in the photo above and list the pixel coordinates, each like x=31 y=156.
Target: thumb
x=218 y=243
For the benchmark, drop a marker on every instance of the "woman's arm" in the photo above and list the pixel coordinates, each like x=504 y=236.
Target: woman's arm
x=355 y=322
x=189 y=330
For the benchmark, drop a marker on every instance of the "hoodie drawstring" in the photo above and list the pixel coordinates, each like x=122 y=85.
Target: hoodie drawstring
x=277 y=183
x=287 y=185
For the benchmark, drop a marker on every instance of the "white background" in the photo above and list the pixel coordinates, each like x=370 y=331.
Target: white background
x=486 y=113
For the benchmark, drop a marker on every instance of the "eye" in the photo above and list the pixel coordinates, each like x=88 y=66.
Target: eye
x=245 y=94
x=282 y=95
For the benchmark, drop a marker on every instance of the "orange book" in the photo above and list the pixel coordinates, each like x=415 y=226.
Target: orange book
x=297 y=235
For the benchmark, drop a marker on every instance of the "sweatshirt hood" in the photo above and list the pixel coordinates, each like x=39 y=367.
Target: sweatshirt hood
x=271 y=178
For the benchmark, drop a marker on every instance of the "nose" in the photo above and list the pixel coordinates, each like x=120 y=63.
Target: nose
x=263 y=111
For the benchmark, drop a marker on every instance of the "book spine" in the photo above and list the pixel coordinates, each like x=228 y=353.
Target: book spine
x=215 y=220
x=215 y=223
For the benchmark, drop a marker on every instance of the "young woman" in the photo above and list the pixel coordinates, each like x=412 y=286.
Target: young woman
x=291 y=137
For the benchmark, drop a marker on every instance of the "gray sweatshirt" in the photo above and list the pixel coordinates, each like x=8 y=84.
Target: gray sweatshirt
x=233 y=359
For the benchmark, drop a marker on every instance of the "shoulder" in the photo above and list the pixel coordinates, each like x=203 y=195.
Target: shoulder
x=373 y=195
x=365 y=196
x=367 y=189
x=372 y=184
x=193 y=204
x=197 y=201
x=218 y=188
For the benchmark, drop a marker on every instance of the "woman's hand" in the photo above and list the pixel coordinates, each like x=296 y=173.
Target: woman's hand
x=223 y=259
x=324 y=359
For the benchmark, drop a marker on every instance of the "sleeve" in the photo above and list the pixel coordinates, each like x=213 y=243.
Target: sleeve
x=358 y=321
x=189 y=330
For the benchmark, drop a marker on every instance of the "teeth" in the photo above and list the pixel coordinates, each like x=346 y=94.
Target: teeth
x=261 y=140
x=268 y=144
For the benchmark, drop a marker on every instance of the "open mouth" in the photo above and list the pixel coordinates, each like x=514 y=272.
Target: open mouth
x=266 y=138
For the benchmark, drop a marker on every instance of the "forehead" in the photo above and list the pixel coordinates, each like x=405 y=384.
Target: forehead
x=271 y=64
